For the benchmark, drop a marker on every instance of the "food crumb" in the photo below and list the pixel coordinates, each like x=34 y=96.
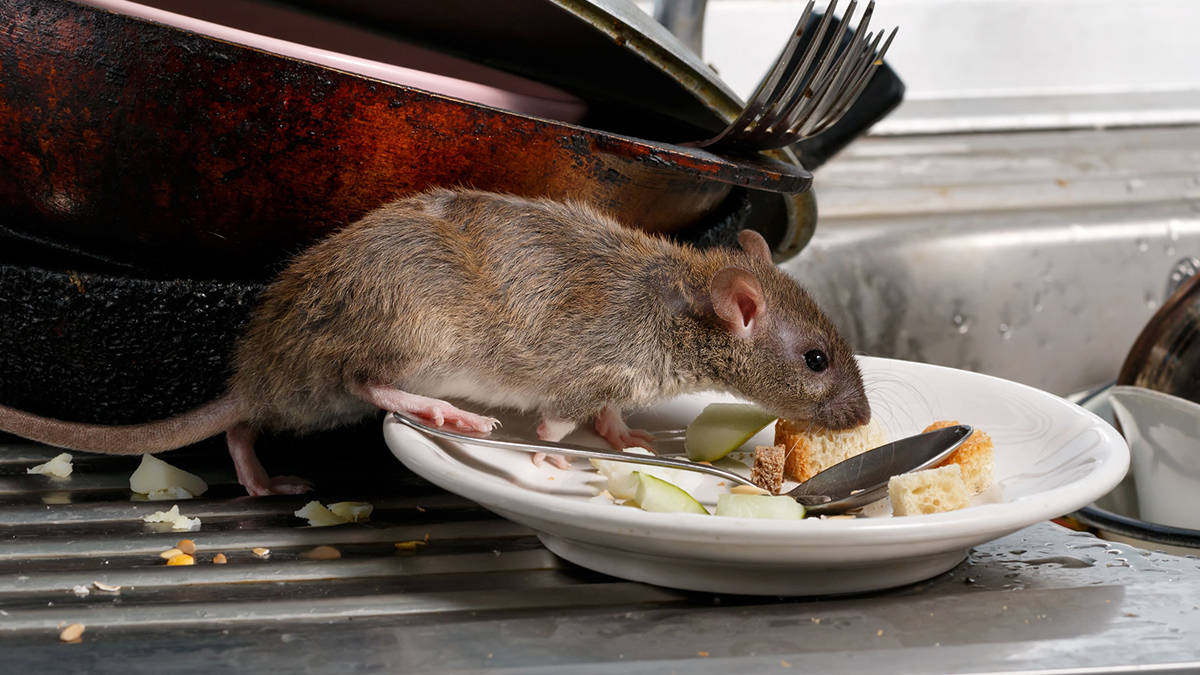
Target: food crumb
x=176 y=519
x=81 y=591
x=260 y=552
x=409 y=545
x=186 y=546
x=107 y=588
x=220 y=559
x=322 y=553
x=59 y=467
x=785 y=664
x=879 y=632
x=182 y=559
x=702 y=654
x=72 y=633
x=170 y=553
x=816 y=620
x=421 y=509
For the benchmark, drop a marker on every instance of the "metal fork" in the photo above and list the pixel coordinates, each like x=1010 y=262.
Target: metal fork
x=807 y=92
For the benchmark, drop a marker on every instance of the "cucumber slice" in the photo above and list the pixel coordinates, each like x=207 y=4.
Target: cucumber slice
x=655 y=494
x=721 y=428
x=759 y=506
x=622 y=483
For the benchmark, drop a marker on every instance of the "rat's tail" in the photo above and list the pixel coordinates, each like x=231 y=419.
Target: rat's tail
x=193 y=426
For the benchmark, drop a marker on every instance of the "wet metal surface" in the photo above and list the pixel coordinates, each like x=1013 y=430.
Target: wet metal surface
x=1037 y=257
x=482 y=594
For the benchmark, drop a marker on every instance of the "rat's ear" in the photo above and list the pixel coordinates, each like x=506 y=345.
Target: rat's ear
x=737 y=298
x=754 y=244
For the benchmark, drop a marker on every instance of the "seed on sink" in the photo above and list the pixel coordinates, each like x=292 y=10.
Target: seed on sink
x=186 y=546
x=322 y=553
x=219 y=559
x=170 y=553
x=182 y=559
x=71 y=633
x=260 y=552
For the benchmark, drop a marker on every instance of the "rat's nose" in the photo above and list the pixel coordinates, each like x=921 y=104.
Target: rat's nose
x=845 y=412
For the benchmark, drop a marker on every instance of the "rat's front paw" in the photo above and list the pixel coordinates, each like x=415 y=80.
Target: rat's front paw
x=612 y=428
x=557 y=460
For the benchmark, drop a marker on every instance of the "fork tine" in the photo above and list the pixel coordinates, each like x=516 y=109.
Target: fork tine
x=804 y=75
x=857 y=59
x=851 y=93
x=829 y=88
x=768 y=85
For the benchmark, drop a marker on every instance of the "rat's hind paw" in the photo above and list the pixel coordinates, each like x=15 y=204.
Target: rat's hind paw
x=432 y=410
x=279 y=485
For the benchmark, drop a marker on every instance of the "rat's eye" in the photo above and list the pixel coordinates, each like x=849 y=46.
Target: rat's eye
x=816 y=360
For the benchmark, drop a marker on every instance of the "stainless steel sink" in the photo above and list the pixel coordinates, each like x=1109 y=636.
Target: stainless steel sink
x=1035 y=256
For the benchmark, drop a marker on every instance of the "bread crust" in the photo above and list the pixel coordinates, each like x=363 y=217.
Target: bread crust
x=768 y=469
x=976 y=457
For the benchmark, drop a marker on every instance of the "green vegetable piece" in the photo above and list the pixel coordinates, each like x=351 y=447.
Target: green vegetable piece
x=722 y=428
x=655 y=494
x=776 y=507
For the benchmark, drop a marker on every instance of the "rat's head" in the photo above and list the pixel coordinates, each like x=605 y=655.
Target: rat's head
x=786 y=354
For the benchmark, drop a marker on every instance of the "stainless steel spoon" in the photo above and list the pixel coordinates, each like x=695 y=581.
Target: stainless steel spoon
x=845 y=486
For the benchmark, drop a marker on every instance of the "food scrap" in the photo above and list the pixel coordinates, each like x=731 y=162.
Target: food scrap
x=81 y=591
x=107 y=588
x=59 y=467
x=181 y=559
x=340 y=513
x=186 y=546
x=767 y=472
x=177 y=520
x=260 y=552
x=975 y=457
x=929 y=491
x=72 y=633
x=219 y=559
x=409 y=545
x=322 y=553
x=169 y=553
x=157 y=479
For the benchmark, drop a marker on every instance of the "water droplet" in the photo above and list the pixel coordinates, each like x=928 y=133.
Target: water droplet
x=1005 y=331
x=1143 y=244
x=1134 y=185
x=1151 y=301
x=1170 y=249
x=963 y=323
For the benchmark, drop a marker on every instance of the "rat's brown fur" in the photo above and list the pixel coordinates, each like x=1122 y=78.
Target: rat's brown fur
x=532 y=304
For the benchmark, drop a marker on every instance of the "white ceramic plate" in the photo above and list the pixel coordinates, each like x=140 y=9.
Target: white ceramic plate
x=1052 y=457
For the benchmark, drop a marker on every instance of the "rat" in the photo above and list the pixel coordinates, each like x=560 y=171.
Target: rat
x=533 y=304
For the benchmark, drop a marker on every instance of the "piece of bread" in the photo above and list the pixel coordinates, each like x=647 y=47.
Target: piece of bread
x=809 y=449
x=975 y=456
x=929 y=491
x=767 y=472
